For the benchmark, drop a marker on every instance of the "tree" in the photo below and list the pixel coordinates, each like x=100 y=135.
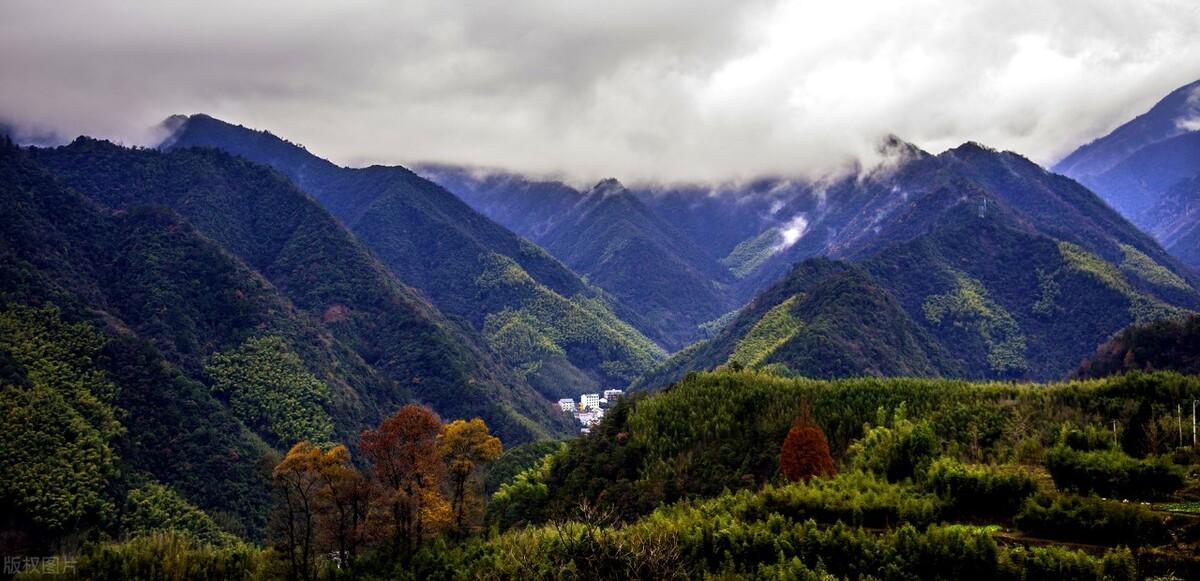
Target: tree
x=466 y=447
x=298 y=482
x=345 y=496
x=805 y=451
x=408 y=471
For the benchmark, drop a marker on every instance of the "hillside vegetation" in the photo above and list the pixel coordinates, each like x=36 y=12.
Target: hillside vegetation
x=925 y=479
x=433 y=241
x=322 y=269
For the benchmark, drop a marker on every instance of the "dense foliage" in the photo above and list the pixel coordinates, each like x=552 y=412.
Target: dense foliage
x=432 y=240
x=1092 y=520
x=824 y=319
x=269 y=389
x=1113 y=473
x=980 y=489
x=392 y=345
x=1163 y=345
x=718 y=431
x=56 y=407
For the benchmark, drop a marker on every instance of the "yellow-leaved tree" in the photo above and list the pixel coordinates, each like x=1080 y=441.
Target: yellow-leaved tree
x=466 y=447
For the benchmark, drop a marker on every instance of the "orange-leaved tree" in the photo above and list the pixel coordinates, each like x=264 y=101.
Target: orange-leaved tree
x=323 y=504
x=466 y=447
x=408 y=472
x=298 y=485
x=805 y=451
x=345 y=496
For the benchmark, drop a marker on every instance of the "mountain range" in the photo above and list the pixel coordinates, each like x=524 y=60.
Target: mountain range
x=184 y=313
x=1005 y=269
x=548 y=325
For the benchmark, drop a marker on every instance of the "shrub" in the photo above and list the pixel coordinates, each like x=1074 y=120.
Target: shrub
x=980 y=490
x=157 y=508
x=1087 y=439
x=1092 y=520
x=1113 y=473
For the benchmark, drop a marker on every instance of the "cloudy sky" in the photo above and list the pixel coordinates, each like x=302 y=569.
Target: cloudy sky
x=642 y=90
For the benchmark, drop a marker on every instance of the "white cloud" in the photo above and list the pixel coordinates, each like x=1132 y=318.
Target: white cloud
x=642 y=90
x=1191 y=120
x=791 y=232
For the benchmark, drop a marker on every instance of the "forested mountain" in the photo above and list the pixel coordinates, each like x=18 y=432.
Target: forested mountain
x=1157 y=346
x=279 y=231
x=1175 y=220
x=614 y=239
x=133 y=304
x=824 y=319
x=759 y=476
x=548 y=324
x=529 y=207
x=621 y=246
x=1011 y=270
x=1165 y=120
x=1147 y=168
x=1021 y=272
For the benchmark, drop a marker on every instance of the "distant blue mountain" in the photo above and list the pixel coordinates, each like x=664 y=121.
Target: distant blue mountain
x=1135 y=167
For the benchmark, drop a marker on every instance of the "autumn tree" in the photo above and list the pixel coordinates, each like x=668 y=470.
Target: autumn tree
x=408 y=472
x=805 y=452
x=466 y=446
x=345 y=501
x=298 y=482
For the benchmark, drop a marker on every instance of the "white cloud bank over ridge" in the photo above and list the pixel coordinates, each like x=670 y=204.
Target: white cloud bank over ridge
x=644 y=90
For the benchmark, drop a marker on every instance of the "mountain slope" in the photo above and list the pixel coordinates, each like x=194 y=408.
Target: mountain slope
x=1175 y=221
x=621 y=246
x=614 y=239
x=1161 y=122
x=433 y=240
x=824 y=319
x=1135 y=184
x=137 y=276
x=1143 y=168
x=1160 y=346
x=526 y=206
x=322 y=269
x=1014 y=271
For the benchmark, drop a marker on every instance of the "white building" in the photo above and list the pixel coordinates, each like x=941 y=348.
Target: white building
x=589 y=401
x=566 y=404
x=612 y=395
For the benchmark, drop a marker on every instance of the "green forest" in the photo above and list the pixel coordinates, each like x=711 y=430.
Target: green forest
x=727 y=474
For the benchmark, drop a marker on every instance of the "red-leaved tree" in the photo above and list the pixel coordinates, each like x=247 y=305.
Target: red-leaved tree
x=805 y=452
x=409 y=472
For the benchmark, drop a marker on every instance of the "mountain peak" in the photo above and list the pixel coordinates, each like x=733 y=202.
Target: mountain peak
x=608 y=186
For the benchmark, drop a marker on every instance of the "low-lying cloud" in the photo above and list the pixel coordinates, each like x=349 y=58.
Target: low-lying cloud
x=643 y=90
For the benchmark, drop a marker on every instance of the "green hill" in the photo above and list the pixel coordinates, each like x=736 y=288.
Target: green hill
x=825 y=319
